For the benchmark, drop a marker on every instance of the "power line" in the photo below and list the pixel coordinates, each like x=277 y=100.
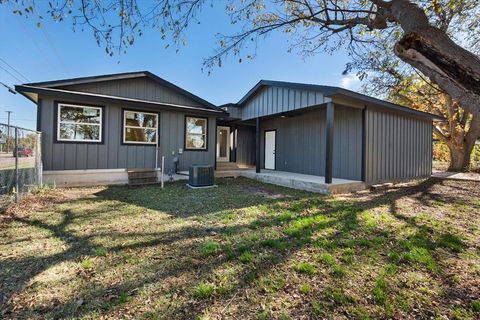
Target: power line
x=54 y=48
x=17 y=119
x=14 y=76
x=15 y=70
x=22 y=24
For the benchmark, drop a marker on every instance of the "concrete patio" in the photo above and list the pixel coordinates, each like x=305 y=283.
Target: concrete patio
x=297 y=180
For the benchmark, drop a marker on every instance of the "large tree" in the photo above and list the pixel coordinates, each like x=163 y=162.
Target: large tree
x=386 y=75
x=317 y=24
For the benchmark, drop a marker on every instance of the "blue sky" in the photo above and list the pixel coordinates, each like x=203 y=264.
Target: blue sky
x=55 y=51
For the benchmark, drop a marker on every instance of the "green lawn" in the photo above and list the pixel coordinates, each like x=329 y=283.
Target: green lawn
x=244 y=250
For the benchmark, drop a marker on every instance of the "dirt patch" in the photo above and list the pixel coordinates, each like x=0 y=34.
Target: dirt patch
x=44 y=198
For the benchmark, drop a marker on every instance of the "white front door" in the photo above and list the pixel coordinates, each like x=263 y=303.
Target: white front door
x=270 y=137
x=223 y=144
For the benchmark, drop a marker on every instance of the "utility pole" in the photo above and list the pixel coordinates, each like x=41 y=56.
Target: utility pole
x=8 y=128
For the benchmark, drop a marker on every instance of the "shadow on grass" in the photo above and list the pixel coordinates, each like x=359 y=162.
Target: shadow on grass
x=290 y=224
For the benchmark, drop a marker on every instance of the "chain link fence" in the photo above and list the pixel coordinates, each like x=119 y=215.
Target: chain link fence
x=20 y=163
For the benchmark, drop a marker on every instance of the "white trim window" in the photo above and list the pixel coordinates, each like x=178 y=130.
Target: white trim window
x=196 y=133
x=140 y=127
x=79 y=123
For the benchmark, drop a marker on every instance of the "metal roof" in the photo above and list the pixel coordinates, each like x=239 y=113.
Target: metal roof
x=331 y=91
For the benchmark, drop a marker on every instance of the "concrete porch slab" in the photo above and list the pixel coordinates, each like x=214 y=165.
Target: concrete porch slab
x=298 y=181
x=467 y=176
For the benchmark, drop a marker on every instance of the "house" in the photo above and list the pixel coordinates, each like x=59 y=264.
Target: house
x=94 y=129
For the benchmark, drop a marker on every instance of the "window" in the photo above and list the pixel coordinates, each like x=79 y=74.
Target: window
x=196 y=133
x=140 y=127
x=79 y=123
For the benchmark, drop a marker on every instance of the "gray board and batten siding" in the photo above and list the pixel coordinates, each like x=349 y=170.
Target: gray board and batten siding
x=372 y=139
x=277 y=100
x=111 y=153
x=397 y=147
x=245 y=144
x=278 y=97
x=397 y=141
x=300 y=142
x=135 y=88
x=142 y=85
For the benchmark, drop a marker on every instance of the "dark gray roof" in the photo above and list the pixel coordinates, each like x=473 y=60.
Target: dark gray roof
x=121 y=76
x=330 y=91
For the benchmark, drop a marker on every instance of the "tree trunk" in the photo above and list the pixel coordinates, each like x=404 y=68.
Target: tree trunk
x=430 y=50
x=459 y=157
x=460 y=141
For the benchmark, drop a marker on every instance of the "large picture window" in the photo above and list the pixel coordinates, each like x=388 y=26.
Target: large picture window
x=196 y=133
x=78 y=123
x=140 y=127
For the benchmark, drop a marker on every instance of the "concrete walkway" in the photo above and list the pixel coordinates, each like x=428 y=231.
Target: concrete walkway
x=468 y=176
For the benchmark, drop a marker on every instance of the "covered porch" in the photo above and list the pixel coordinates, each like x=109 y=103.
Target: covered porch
x=306 y=149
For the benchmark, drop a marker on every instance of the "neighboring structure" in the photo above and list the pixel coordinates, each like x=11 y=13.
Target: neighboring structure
x=95 y=128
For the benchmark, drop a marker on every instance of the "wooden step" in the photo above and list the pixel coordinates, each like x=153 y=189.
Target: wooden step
x=142 y=174
x=227 y=165
x=231 y=166
x=137 y=177
x=142 y=181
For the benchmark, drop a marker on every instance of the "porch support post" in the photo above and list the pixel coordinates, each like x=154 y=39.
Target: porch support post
x=215 y=146
x=257 y=146
x=234 y=147
x=329 y=144
x=364 y=143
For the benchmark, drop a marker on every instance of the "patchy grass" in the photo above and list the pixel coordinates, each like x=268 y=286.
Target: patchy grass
x=305 y=288
x=305 y=268
x=246 y=257
x=210 y=248
x=204 y=290
x=87 y=263
x=243 y=250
